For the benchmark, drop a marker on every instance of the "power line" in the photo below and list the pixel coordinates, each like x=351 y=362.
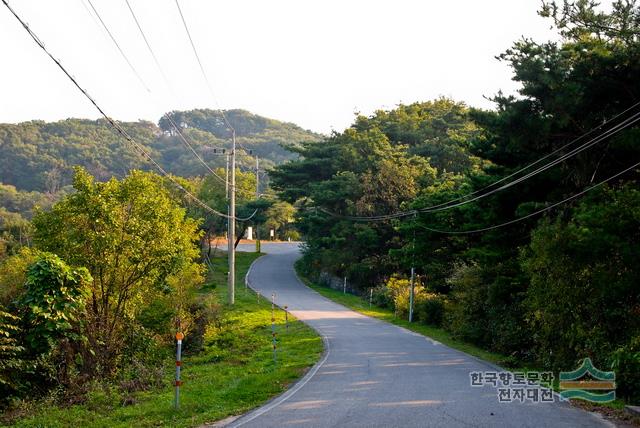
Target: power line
x=614 y=130
x=190 y=147
x=496 y=226
x=169 y=86
x=172 y=122
x=204 y=73
x=450 y=204
x=146 y=41
x=115 y=125
x=118 y=46
x=558 y=150
x=167 y=82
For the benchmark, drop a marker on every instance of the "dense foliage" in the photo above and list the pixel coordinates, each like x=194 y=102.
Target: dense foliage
x=115 y=266
x=551 y=289
x=39 y=156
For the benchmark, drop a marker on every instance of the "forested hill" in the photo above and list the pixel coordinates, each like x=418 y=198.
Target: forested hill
x=39 y=156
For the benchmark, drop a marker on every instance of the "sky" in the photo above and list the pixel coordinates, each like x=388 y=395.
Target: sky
x=314 y=63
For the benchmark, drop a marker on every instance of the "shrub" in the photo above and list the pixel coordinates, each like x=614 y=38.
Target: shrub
x=467 y=313
x=429 y=308
x=204 y=312
x=625 y=361
x=11 y=362
x=141 y=364
x=13 y=274
x=382 y=297
x=53 y=302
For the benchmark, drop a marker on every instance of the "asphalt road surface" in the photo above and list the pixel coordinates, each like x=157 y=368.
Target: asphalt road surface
x=374 y=374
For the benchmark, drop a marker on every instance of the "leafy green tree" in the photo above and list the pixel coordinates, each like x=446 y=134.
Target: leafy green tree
x=584 y=270
x=279 y=216
x=378 y=166
x=131 y=235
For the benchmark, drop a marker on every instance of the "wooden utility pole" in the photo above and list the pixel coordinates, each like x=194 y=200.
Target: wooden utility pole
x=257 y=197
x=232 y=223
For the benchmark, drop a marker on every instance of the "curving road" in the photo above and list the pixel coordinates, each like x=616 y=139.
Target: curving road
x=374 y=374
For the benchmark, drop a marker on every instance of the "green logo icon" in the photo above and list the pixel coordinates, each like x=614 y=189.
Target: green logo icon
x=588 y=383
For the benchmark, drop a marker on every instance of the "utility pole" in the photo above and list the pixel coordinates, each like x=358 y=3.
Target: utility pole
x=232 y=222
x=411 y=294
x=226 y=192
x=413 y=271
x=226 y=181
x=257 y=197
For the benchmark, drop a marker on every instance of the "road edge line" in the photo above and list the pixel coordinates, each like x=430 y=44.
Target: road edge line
x=275 y=402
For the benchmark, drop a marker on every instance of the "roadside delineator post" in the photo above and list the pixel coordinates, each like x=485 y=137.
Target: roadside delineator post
x=273 y=326
x=344 y=286
x=179 y=337
x=370 y=296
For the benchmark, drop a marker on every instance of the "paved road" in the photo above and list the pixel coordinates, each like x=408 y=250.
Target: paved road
x=375 y=374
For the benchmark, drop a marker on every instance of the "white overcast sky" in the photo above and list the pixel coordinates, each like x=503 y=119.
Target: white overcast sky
x=313 y=63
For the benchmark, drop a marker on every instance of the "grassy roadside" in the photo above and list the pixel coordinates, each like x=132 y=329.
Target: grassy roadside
x=613 y=410
x=361 y=305
x=233 y=374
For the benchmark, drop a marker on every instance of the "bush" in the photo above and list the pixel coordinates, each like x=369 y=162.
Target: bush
x=13 y=274
x=625 y=361
x=141 y=364
x=294 y=235
x=382 y=297
x=53 y=303
x=11 y=362
x=466 y=316
x=429 y=308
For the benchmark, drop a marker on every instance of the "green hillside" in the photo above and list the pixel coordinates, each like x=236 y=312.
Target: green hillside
x=39 y=156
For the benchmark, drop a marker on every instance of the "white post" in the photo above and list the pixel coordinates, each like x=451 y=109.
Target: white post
x=344 y=286
x=411 y=295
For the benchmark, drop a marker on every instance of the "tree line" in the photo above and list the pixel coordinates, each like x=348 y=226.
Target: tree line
x=39 y=156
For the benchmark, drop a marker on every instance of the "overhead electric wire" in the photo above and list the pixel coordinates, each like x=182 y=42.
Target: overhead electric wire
x=168 y=116
x=146 y=41
x=449 y=205
x=539 y=160
x=617 y=128
x=172 y=122
x=168 y=83
x=115 y=125
x=540 y=211
x=118 y=46
x=202 y=70
x=190 y=147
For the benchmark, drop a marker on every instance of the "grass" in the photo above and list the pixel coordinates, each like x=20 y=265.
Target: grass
x=234 y=373
x=362 y=306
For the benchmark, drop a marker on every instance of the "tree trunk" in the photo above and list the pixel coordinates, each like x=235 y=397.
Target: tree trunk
x=239 y=237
